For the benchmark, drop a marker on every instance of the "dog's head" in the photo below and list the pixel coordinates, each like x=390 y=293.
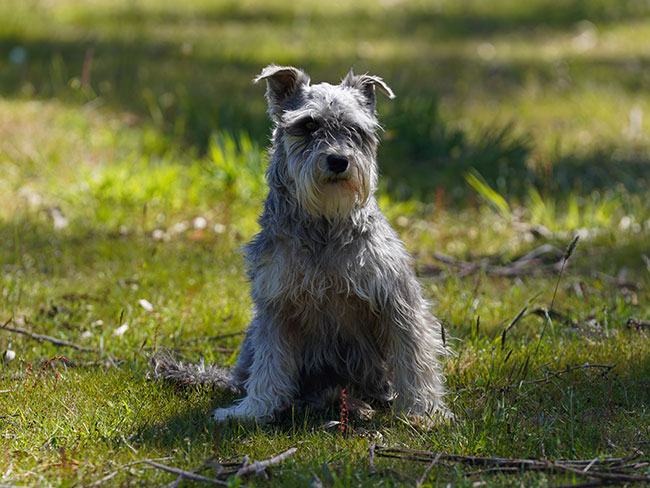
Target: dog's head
x=325 y=140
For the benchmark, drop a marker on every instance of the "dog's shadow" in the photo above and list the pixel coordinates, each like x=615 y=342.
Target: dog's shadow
x=193 y=424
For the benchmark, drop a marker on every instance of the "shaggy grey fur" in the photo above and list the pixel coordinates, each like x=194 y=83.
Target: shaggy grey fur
x=165 y=367
x=336 y=301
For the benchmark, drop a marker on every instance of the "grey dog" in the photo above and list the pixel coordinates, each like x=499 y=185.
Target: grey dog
x=336 y=304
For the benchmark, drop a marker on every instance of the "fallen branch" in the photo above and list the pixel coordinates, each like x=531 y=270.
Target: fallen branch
x=238 y=469
x=429 y=468
x=185 y=474
x=568 y=369
x=544 y=258
x=508 y=465
x=45 y=338
x=371 y=456
x=114 y=473
x=259 y=466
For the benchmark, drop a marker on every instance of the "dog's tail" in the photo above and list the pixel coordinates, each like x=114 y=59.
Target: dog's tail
x=167 y=368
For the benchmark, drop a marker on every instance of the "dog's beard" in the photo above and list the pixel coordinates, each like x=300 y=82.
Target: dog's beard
x=323 y=194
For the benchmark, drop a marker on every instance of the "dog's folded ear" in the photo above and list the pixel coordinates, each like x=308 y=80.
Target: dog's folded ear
x=282 y=84
x=366 y=85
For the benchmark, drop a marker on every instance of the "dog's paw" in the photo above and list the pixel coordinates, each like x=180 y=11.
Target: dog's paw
x=429 y=420
x=223 y=414
x=241 y=411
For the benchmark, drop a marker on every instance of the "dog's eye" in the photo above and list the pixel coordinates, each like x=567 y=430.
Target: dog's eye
x=356 y=133
x=311 y=125
x=304 y=127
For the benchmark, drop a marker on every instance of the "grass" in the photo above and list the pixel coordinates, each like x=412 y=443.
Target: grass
x=141 y=180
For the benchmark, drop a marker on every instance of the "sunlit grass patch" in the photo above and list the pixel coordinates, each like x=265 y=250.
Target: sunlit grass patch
x=132 y=165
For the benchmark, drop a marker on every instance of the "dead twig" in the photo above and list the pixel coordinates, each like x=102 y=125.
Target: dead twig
x=185 y=474
x=371 y=456
x=429 y=468
x=508 y=465
x=543 y=258
x=556 y=374
x=113 y=473
x=604 y=475
x=45 y=338
x=240 y=469
x=259 y=466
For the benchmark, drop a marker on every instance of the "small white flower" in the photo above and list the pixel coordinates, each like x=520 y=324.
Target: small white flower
x=626 y=222
x=121 y=329
x=146 y=304
x=159 y=235
x=200 y=223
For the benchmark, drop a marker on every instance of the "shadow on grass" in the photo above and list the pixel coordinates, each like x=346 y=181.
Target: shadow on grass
x=436 y=21
x=190 y=93
x=576 y=411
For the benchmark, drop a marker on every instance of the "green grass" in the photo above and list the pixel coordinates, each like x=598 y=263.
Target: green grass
x=516 y=125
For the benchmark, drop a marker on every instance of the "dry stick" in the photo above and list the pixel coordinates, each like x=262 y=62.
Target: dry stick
x=104 y=479
x=428 y=455
x=258 y=466
x=371 y=456
x=522 y=464
x=556 y=374
x=186 y=474
x=604 y=475
x=176 y=482
x=44 y=338
x=518 y=267
x=549 y=375
x=117 y=470
x=429 y=467
x=502 y=469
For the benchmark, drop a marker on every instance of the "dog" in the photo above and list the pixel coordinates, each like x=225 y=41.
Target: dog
x=336 y=303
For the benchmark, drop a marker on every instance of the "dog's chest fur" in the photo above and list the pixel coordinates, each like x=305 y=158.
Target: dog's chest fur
x=318 y=272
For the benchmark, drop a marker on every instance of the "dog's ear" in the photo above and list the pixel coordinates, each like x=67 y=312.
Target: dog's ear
x=366 y=85
x=282 y=85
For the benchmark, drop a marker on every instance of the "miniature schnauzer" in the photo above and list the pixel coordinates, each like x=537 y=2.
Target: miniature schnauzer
x=336 y=304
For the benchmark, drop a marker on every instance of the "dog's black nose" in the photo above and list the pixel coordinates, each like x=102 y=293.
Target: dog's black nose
x=337 y=164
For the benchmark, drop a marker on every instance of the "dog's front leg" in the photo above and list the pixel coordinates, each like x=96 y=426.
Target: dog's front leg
x=272 y=377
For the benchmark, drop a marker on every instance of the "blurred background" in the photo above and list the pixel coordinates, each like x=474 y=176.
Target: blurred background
x=535 y=93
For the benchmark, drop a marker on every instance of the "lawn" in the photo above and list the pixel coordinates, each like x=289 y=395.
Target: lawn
x=132 y=171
